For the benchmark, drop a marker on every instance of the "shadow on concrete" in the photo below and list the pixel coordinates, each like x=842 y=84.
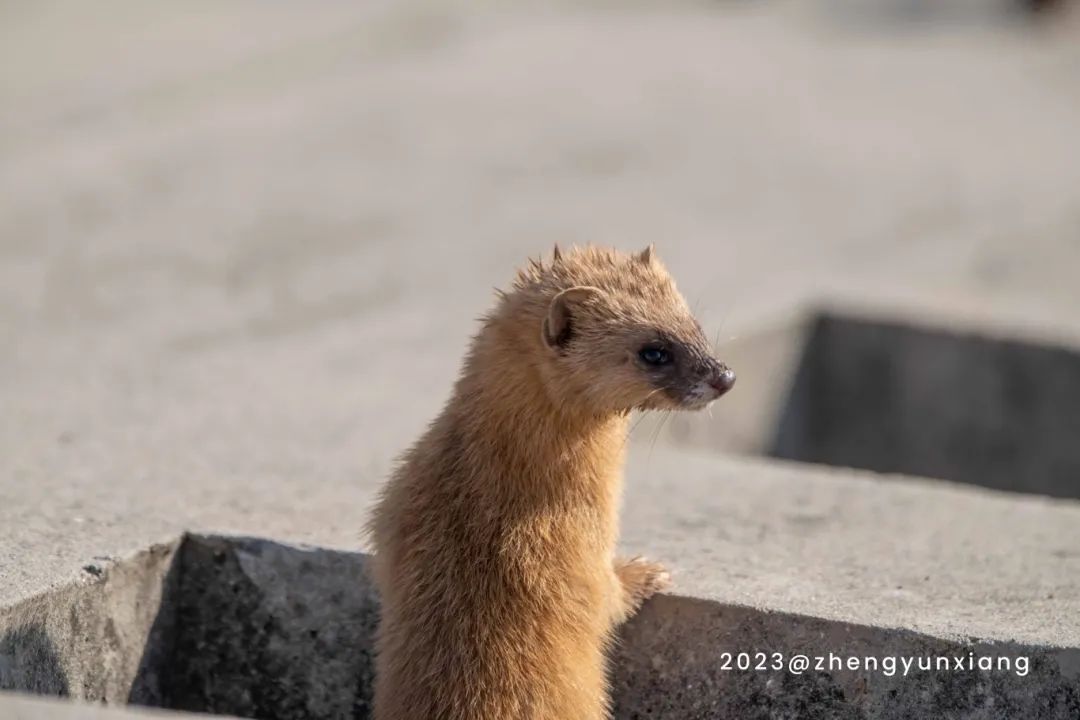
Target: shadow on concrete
x=253 y=628
x=150 y=686
x=894 y=398
x=257 y=629
x=691 y=659
x=265 y=630
x=29 y=662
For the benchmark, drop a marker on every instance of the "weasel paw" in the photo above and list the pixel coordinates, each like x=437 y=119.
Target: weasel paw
x=641 y=579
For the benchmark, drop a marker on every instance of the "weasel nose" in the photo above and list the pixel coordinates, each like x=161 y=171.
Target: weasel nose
x=723 y=381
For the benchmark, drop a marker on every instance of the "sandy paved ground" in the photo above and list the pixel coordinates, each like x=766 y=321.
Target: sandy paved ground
x=242 y=245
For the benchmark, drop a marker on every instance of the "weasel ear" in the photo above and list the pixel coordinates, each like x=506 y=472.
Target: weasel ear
x=646 y=256
x=558 y=326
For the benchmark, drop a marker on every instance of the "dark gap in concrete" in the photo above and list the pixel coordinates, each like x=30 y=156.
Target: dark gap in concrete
x=894 y=398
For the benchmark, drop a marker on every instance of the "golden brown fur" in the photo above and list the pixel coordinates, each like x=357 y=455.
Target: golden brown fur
x=494 y=538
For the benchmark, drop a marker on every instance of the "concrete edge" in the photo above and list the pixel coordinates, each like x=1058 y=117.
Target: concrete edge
x=246 y=626
x=16 y=706
x=97 y=639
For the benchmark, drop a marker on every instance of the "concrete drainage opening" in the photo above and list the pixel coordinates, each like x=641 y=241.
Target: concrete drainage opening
x=895 y=398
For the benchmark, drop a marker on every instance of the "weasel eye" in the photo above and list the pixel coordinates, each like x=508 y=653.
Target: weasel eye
x=652 y=355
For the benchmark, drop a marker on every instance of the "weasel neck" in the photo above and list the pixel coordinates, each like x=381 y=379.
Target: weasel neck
x=508 y=417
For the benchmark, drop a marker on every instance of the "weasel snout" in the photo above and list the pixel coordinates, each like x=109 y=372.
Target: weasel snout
x=722 y=380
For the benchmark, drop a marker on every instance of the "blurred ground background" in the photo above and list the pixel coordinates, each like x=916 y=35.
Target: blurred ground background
x=242 y=245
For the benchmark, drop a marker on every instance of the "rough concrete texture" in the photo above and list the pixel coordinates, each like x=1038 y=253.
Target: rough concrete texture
x=271 y=631
x=934 y=557
x=95 y=640
x=264 y=630
x=680 y=658
x=768 y=557
x=236 y=282
x=238 y=269
x=16 y=707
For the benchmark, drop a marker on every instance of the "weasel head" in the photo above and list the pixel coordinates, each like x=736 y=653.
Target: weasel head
x=617 y=335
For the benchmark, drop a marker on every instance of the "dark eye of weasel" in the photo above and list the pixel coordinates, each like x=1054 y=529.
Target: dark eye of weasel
x=654 y=355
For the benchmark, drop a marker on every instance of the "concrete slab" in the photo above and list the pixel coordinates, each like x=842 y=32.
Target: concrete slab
x=235 y=282
x=260 y=629
x=933 y=557
x=95 y=640
x=768 y=557
x=16 y=707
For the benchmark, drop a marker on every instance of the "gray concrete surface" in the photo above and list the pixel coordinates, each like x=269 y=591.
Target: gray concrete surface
x=242 y=247
x=767 y=557
x=260 y=629
x=245 y=275
x=95 y=640
x=934 y=557
x=16 y=707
